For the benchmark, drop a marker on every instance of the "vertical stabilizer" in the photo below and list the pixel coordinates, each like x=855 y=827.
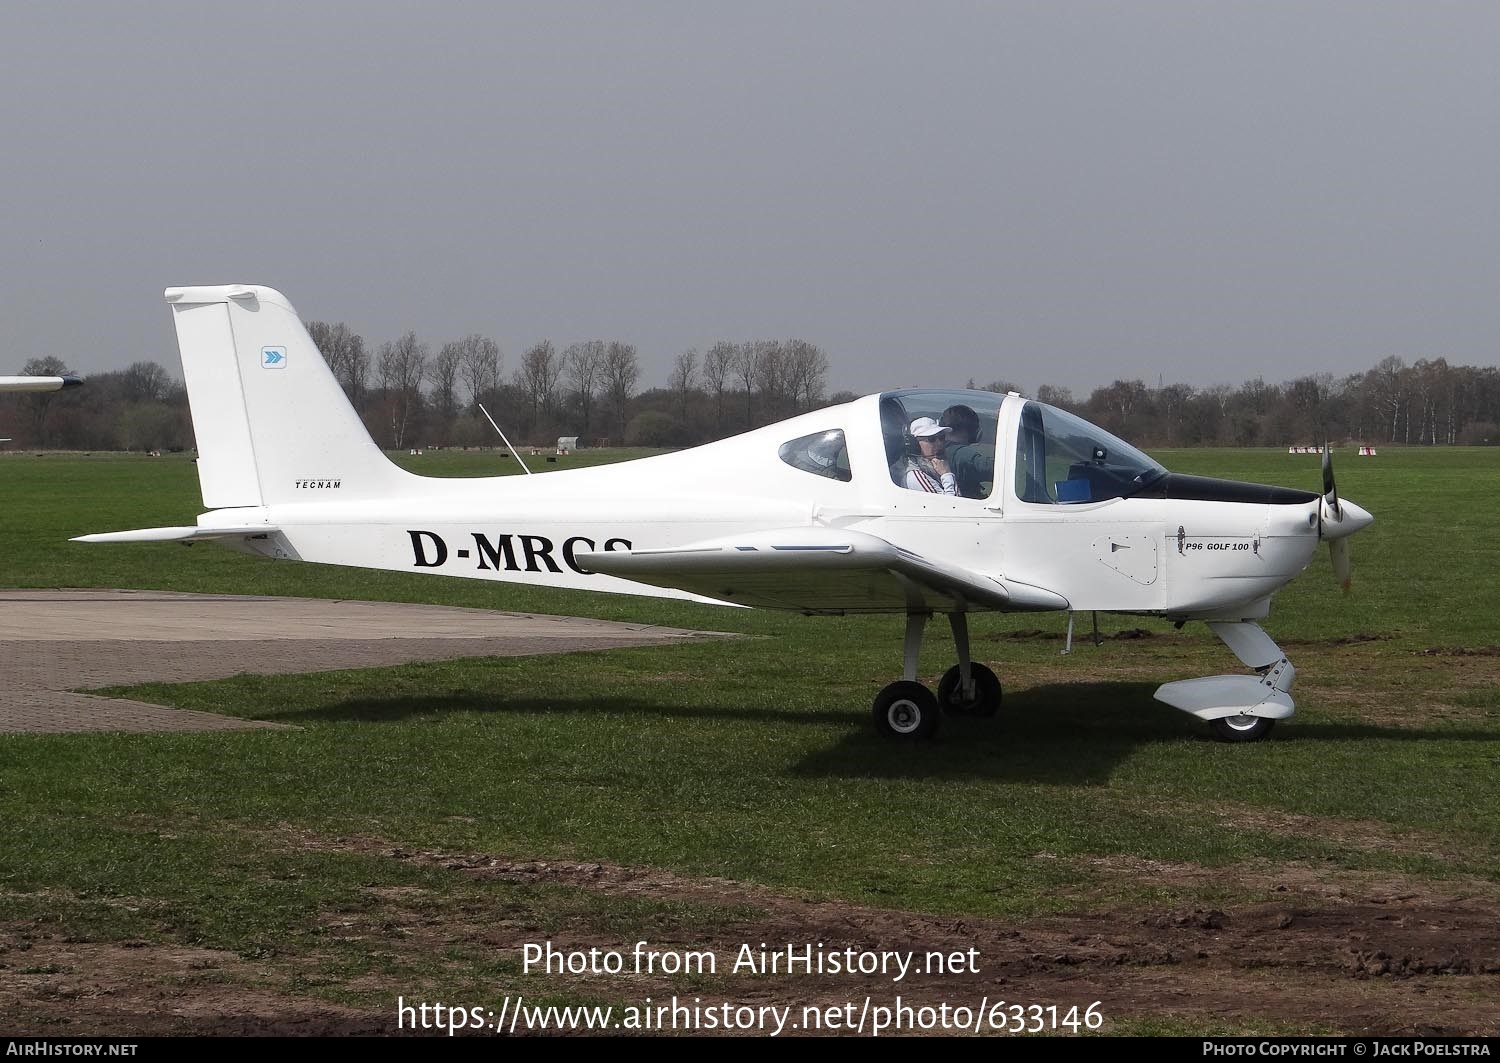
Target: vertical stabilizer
x=272 y=423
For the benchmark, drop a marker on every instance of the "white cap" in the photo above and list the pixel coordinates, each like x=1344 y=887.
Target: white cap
x=926 y=428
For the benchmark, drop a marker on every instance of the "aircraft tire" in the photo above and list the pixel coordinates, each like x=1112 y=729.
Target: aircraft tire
x=1241 y=728
x=906 y=711
x=986 y=701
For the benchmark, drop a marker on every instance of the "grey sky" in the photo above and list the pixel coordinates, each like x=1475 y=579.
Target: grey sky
x=1045 y=192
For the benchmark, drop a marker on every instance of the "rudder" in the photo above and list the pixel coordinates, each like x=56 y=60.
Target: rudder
x=271 y=421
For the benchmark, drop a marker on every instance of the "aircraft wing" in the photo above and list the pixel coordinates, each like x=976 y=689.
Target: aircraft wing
x=820 y=570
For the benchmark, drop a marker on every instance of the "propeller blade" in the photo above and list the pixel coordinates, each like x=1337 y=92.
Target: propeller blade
x=1343 y=561
x=1330 y=509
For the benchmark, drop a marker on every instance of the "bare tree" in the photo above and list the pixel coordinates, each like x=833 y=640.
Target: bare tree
x=1389 y=385
x=1256 y=394
x=356 y=377
x=1221 y=396
x=145 y=382
x=585 y=363
x=537 y=377
x=1118 y=401
x=621 y=371
x=444 y=377
x=1173 y=399
x=745 y=365
x=480 y=362
x=1445 y=388
x=402 y=368
x=771 y=373
x=344 y=351
x=807 y=373
x=1054 y=395
x=1305 y=398
x=684 y=370
x=718 y=364
x=1429 y=382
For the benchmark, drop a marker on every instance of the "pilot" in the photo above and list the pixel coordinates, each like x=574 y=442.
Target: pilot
x=927 y=469
x=972 y=466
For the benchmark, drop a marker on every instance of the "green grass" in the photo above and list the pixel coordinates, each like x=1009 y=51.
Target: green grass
x=752 y=759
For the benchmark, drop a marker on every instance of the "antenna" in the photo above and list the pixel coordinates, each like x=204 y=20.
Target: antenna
x=496 y=427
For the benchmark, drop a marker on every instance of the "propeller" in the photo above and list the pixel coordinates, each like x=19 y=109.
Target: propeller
x=1331 y=525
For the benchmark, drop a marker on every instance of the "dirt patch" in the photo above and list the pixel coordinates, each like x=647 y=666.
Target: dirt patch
x=1343 y=640
x=1079 y=635
x=1368 y=835
x=1378 y=960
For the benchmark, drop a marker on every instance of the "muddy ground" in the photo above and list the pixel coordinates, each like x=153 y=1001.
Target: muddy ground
x=1330 y=954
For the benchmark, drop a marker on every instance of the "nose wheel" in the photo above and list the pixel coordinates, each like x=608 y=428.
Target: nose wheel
x=1241 y=728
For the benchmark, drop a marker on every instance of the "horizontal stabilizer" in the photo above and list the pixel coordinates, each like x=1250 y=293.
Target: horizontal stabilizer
x=819 y=570
x=190 y=534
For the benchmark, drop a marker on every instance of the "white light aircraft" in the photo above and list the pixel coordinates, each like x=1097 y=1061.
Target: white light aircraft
x=817 y=514
x=38 y=383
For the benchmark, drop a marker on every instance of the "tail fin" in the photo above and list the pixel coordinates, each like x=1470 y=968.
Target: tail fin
x=272 y=423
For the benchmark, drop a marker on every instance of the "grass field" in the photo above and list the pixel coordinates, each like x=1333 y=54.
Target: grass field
x=422 y=822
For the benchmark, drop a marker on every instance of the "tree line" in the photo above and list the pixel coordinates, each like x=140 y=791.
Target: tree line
x=1427 y=402
x=409 y=396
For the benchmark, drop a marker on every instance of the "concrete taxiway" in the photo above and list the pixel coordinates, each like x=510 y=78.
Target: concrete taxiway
x=55 y=645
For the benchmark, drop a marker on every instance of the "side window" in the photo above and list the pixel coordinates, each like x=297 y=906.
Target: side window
x=940 y=446
x=822 y=454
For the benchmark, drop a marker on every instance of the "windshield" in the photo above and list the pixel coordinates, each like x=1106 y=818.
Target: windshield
x=1062 y=458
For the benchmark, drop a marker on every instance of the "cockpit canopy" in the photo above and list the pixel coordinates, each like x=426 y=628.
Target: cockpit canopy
x=1059 y=458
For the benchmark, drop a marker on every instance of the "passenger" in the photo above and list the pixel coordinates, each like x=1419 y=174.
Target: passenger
x=927 y=469
x=973 y=466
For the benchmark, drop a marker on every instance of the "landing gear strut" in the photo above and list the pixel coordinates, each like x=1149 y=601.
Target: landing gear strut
x=908 y=710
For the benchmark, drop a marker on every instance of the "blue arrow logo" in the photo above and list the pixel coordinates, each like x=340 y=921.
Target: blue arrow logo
x=273 y=357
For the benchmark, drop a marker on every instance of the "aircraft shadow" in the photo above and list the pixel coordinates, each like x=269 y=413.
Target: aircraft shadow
x=393 y=710
x=1074 y=733
x=1067 y=733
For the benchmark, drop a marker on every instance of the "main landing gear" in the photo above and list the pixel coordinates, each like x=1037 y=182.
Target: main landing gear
x=908 y=710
